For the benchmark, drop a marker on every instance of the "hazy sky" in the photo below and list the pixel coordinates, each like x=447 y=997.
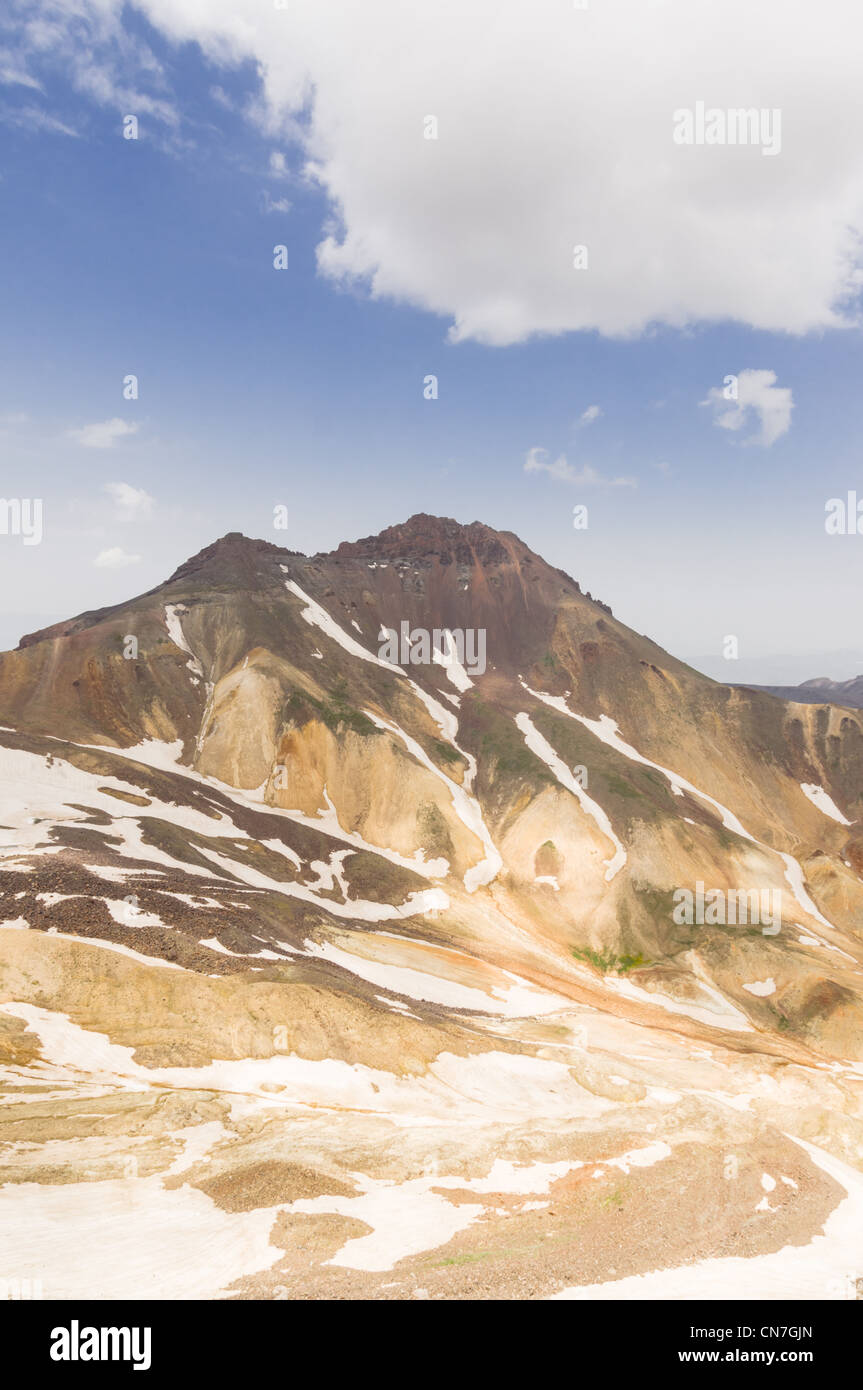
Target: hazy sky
x=564 y=376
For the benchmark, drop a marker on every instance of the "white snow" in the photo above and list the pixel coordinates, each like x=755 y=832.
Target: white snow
x=113 y=873
x=164 y=756
x=108 y=1240
x=466 y=807
x=315 y=614
x=331 y=874
x=152 y=752
x=212 y=943
x=27 y=781
x=496 y=1086
x=543 y=749
x=411 y=1217
x=716 y=1011
x=448 y=658
x=197 y=1140
x=175 y=632
x=328 y=822
x=426 y=900
x=195 y=901
x=794 y=878
x=515 y=1001
x=606 y=729
x=406 y=1219
x=761 y=987
x=128 y=915
x=446 y=721
x=644 y=1157
x=818 y=796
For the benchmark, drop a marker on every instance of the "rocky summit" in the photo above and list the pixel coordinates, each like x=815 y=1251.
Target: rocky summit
x=397 y=923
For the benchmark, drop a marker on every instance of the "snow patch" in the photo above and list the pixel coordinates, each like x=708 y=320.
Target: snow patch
x=543 y=750
x=818 y=796
x=761 y=988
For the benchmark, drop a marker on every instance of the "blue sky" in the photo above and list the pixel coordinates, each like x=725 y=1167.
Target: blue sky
x=304 y=387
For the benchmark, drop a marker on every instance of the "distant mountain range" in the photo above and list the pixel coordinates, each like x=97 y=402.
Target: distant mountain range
x=819 y=691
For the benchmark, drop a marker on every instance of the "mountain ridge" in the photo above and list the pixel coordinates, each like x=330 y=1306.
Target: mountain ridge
x=820 y=690
x=398 y=912
x=236 y=560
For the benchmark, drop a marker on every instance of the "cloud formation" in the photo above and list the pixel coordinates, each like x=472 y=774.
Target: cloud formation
x=563 y=136
x=130 y=503
x=115 y=559
x=756 y=398
x=537 y=461
x=34 y=119
x=104 y=433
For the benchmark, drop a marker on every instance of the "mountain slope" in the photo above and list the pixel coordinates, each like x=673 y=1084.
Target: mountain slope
x=246 y=824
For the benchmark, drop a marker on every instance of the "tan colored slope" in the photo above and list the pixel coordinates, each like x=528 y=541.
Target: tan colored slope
x=266 y=712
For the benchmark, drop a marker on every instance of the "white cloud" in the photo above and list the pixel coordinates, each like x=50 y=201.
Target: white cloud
x=563 y=136
x=105 y=86
x=104 y=434
x=115 y=559
x=36 y=120
x=100 y=56
x=14 y=74
x=131 y=503
x=223 y=98
x=588 y=416
x=268 y=204
x=537 y=461
x=758 y=398
x=278 y=165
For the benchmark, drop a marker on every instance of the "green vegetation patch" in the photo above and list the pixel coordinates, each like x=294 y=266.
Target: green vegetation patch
x=500 y=743
x=628 y=791
x=335 y=711
x=445 y=752
x=608 y=962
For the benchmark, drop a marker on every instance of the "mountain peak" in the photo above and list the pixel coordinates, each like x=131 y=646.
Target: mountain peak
x=233 y=559
x=428 y=537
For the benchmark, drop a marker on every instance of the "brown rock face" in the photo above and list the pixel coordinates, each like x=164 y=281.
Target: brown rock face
x=233 y=561
x=425 y=537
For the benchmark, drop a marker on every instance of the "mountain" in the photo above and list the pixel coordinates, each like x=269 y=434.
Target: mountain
x=821 y=690
x=349 y=881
